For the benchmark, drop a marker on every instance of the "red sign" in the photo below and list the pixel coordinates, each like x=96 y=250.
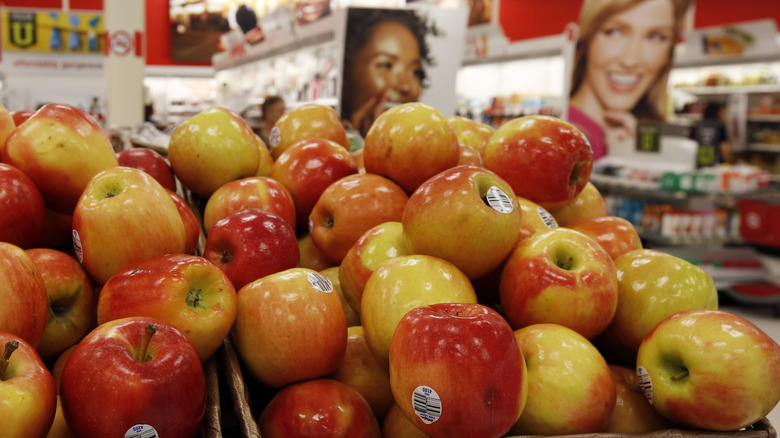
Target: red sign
x=124 y=43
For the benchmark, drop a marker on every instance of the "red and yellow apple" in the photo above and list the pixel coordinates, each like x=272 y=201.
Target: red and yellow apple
x=23 y=212
x=23 y=294
x=310 y=120
x=151 y=162
x=588 y=204
x=251 y=192
x=615 y=234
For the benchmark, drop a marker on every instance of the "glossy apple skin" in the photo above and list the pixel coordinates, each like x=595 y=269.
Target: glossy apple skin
x=20 y=116
x=190 y=221
x=23 y=294
x=366 y=373
x=186 y=291
x=410 y=143
x=352 y=314
x=266 y=162
x=251 y=244
x=308 y=167
x=22 y=210
x=252 y=192
x=316 y=408
x=402 y=283
x=733 y=370
x=71 y=300
x=124 y=216
x=311 y=256
x=560 y=276
x=588 y=204
x=533 y=218
x=27 y=391
x=615 y=234
x=60 y=148
x=471 y=133
x=212 y=148
x=151 y=162
x=651 y=286
x=287 y=329
x=106 y=390
x=543 y=158
x=468 y=156
x=570 y=386
x=396 y=425
x=468 y=355
x=307 y=121
x=374 y=247
x=633 y=413
x=449 y=217
x=351 y=206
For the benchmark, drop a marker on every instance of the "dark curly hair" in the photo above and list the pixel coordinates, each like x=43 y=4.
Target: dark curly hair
x=362 y=22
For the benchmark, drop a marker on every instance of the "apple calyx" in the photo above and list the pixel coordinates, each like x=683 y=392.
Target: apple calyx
x=151 y=329
x=329 y=222
x=195 y=298
x=226 y=257
x=679 y=375
x=575 y=174
x=563 y=261
x=10 y=347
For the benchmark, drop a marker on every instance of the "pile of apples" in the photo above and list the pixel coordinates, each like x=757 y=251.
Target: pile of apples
x=447 y=279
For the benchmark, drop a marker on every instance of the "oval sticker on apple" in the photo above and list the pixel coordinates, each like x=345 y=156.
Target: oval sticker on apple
x=141 y=431
x=77 y=246
x=320 y=283
x=645 y=383
x=499 y=201
x=546 y=217
x=275 y=137
x=426 y=404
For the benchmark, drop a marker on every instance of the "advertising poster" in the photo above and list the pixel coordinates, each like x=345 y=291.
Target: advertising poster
x=395 y=56
x=52 y=32
x=621 y=63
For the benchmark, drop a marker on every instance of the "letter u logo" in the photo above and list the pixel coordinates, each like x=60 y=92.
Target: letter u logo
x=22 y=32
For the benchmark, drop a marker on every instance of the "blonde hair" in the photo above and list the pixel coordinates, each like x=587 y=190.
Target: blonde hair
x=592 y=16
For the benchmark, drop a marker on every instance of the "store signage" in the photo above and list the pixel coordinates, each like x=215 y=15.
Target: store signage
x=648 y=137
x=52 y=31
x=753 y=38
x=124 y=43
x=48 y=63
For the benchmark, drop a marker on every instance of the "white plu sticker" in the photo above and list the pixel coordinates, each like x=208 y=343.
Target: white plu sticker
x=275 y=137
x=645 y=383
x=426 y=404
x=320 y=282
x=499 y=201
x=141 y=431
x=311 y=225
x=546 y=217
x=77 y=246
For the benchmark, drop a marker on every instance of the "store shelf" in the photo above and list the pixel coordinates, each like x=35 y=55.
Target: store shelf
x=658 y=239
x=763 y=147
x=764 y=118
x=731 y=89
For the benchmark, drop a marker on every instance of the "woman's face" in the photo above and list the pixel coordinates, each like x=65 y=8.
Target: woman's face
x=311 y=10
x=627 y=53
x=389 y=61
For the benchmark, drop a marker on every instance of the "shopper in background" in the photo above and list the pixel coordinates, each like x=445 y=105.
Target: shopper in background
x=710 y=133
x=273 y=107
x=385 y=57
x=621 y=66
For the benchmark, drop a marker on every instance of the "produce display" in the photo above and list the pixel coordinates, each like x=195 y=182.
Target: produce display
x=446 y=280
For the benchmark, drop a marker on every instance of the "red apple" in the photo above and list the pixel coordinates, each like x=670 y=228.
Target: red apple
x=124 y=216
x=318 y=408
x=212 y=148
x=366 y=373
x=466 y=215
x=58 y=231
x=351 y=206
x=374 y=247
x=21 y=115
x=22 y=210
x=290 y=326
x=186 y=291
x=59 y=365
x=251 y=244
x=543 y=158
x=190 y=221
x=410 y=143
x=311 y=256
x=252 y=192
x=7 y=125
x=534 y=218
x=352 y=314
x=151 y=162
x=468 y=156
x=310 y=120
x=60 y=148
x=23 y=294
x=588 y=204
x=29 y=399
x=470 y=132
x=456 y=370
x=358 y=156
x=632 y=414
x=134 y=372
x=266 y=162
x=308 y=167
x=615 y=234
x=396 y=425
x=72 y=300
x=560 y=276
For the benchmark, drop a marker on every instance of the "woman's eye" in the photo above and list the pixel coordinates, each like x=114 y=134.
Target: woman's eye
x=419 y=74
x=658 y=37
x=385 y=65
x=613 y=32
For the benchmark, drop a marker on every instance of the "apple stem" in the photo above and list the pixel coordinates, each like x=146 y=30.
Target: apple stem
x=680 y=375
x=10 y=347
x=151 y=329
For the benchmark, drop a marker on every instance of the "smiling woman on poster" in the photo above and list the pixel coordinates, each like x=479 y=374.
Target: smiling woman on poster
x=621 y=66
x=385 y=60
